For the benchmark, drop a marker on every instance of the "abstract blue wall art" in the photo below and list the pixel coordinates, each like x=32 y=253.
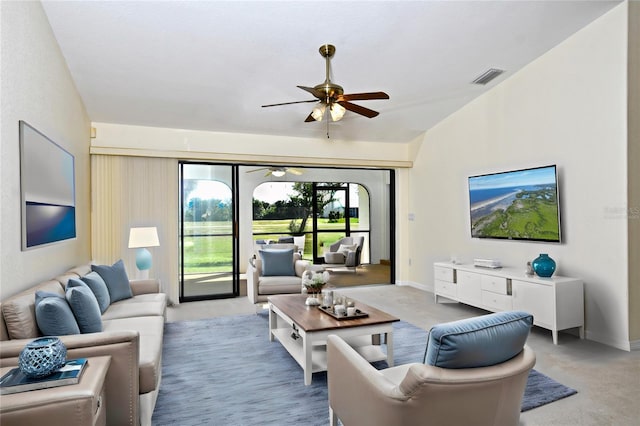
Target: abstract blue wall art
x=47 y=185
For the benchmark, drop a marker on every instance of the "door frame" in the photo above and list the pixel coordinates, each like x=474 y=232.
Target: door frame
x=317 y=258
x=234 y=234
x=391 y=231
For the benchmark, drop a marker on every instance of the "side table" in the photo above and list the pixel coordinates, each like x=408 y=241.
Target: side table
x=82 y=404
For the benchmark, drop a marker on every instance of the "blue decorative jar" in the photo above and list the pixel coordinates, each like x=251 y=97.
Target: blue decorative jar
x=42 y=356
x=543 y=265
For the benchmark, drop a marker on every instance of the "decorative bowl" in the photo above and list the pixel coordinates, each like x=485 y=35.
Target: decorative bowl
x=42 y=356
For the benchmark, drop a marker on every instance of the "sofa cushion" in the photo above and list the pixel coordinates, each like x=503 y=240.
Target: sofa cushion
x=115 y=277
x=334 y=257
x=277 y=262
x=80 y=270
x=64 y=278
x=54 y=315
x=138 y=306
x=84 y=306
x=99 y=289
x=479 y=341
x=280 y=285
x=19 y=311
x=147 y=286
x=151 y=331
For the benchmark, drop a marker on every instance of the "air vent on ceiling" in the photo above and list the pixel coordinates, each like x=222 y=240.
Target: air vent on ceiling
x=487 y=76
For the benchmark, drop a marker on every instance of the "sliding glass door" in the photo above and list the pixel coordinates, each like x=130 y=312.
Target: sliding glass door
x=330 y=214
x=342 y=209
x=208 y=237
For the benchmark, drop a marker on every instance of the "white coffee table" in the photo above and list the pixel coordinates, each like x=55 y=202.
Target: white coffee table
x=303 y=331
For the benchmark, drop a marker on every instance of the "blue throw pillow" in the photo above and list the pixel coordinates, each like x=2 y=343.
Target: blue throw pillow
x=99 y=289
x=54 y=315
x=84 y=306
x=116 y=279
x=479 y=341
x=277 y=262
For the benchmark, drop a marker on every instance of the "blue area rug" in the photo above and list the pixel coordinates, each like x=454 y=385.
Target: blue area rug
x=224 y=371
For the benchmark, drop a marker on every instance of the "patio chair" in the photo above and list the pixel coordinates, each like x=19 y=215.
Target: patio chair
x=345 y=252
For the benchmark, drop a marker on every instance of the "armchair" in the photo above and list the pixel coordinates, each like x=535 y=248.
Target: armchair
x=277 y=276
x=473 y=389
x=345 y=252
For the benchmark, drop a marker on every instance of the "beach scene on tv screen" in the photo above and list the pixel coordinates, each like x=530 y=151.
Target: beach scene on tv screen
x=520 y=204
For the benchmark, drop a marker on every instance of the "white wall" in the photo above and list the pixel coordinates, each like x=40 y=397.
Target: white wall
x=121 y=139
x=567 y=108
x=36 y=87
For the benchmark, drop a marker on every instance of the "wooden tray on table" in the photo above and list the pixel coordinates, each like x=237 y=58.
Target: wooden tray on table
x=329 y=310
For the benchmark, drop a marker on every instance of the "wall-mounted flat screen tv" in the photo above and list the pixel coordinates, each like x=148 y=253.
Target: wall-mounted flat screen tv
x=516 y=205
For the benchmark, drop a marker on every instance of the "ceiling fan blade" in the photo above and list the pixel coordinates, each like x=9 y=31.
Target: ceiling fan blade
x=309 y=118
x=256 y=170
x=294 y=171
x=289 y=103
x=359 y=109
x=317 y=93
x=363 y=96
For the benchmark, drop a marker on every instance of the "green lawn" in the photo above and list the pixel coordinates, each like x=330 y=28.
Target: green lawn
x=208 y=253
x=525 y=218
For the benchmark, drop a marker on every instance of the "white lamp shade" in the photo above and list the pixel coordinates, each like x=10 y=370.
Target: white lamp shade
x=337 y=111
x=318 y=112
x=143 y=237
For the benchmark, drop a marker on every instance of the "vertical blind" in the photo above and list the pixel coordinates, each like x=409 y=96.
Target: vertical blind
x=136 y=192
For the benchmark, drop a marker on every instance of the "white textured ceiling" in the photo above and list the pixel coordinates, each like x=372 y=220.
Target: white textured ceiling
x=210 y=65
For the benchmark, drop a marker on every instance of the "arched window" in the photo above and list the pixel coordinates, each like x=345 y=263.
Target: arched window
x=322 y=212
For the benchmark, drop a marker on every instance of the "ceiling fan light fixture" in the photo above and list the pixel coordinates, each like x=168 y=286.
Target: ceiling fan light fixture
x=318 y=112
x=278 y=172
x=337 y=111
x=330 y=96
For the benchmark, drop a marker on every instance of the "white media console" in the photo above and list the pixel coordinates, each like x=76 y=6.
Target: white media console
x=556 y=303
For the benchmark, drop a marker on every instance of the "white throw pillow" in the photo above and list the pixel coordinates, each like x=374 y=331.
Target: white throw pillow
x=346 y=248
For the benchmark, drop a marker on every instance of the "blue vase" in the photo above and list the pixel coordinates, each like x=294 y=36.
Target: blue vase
x=543 y=265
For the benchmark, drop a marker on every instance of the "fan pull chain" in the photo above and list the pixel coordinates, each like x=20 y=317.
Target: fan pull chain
x=327 y=127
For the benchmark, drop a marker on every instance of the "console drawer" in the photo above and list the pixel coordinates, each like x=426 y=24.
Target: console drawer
x=443 y=274
x=496 y=284
x=445 y=288
x=496 y=302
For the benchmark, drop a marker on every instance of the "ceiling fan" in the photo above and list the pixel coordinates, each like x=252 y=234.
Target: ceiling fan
x=330 y=96
x=278 y=171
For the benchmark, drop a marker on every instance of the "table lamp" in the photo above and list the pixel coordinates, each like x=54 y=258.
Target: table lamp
x=141 y=238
